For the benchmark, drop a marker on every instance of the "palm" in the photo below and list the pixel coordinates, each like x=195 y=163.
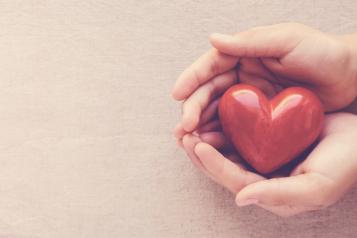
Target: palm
x=318 y=170
x=301 y=67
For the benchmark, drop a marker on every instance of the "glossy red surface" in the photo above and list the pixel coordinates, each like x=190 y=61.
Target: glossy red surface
x=270 y=133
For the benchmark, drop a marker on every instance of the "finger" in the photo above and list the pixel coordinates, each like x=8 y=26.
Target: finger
x=308 y=190
x=205 y=68
x=284 y=211
x=215 y=139
x=274 y=65
x=283 y=73
x=225 y=171
x=255 y=66
x=210 y=126
x=189 y=142
x=200 y=99
x=178 y=131
x=269 y=41
x=210 y=112
x=265 y=86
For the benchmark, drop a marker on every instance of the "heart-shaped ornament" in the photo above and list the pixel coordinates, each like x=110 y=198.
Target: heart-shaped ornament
x=270 y=133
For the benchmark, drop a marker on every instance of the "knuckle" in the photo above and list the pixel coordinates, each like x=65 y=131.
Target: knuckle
x=212 y=89
x=196 y=76
x=213 y=66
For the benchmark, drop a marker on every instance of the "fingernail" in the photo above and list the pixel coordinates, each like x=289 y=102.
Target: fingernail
x=247 y=202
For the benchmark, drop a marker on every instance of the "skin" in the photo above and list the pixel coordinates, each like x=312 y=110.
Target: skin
x=272 y=58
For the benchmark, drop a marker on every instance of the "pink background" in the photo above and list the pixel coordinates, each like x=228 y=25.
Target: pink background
x=86 y=118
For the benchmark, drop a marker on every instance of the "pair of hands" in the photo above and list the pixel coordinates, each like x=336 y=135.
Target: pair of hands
x=273 y=58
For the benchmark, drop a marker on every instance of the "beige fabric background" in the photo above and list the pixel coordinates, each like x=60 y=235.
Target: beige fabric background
x=86 y=117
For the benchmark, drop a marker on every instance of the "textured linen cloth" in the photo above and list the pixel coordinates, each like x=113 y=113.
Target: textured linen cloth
x=86 y=116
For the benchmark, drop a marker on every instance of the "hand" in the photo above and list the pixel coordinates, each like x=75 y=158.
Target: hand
x=260 y=58
x=271 y=58
x=319 y=181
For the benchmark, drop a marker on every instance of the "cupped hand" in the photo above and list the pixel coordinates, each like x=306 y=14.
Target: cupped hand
x=271 y=58
x=319 y=181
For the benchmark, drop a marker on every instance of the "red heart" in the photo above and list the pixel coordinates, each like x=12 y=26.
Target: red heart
x=270 y=133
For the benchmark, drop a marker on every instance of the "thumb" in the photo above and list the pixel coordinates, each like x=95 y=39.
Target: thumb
x=267 y=41
x=230 y=175
x=309 y=189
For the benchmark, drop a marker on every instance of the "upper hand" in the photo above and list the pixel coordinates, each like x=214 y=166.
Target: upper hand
x=271 y=58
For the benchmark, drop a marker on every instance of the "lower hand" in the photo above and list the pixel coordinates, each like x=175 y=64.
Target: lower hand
x=319 y=181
